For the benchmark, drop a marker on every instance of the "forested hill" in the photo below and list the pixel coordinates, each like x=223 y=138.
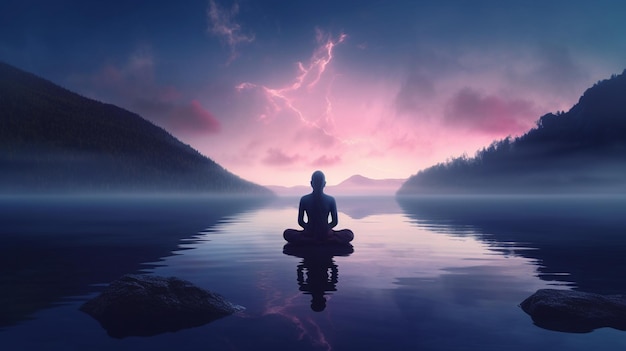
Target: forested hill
x=54 y=140
x=579 y=151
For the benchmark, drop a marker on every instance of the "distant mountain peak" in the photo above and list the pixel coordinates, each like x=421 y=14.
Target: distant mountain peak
x=356 y=185
x=361 y=185
x=358 y=179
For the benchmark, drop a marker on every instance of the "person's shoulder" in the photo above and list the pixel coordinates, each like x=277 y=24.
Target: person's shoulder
x=329 y=198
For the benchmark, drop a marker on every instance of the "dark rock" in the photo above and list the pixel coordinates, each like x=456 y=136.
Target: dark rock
x=145 y=305
x=575 y=311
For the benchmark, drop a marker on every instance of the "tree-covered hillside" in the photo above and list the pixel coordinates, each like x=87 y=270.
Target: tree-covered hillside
x=52 y=140
x=579 y=151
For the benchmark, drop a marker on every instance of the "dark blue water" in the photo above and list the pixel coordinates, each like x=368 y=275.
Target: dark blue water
x=428 y=274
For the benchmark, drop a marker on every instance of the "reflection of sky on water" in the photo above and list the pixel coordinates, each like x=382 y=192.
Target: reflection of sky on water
x=386 y=247
x=391 y=252
x=245 y=256
x=401 y=269
x=411 y=283
x=391 y=248
x=409 y=275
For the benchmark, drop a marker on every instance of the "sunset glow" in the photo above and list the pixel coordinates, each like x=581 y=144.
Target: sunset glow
x=273 y=92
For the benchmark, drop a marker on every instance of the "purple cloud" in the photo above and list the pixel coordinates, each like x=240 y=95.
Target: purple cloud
x=276 y=157
x=324 y=161
x=193 y=118
x=470 y=109
x=133 y=86
x=415 y=91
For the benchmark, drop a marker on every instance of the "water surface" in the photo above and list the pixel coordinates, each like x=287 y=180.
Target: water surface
x=428 y=274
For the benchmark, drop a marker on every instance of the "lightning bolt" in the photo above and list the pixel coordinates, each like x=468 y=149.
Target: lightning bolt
x=308 y=77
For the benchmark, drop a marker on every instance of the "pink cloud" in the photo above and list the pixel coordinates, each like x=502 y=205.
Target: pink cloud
x=488 y=113
x=406 y=142
x=276 y=157
x=109 y=75
x=193 y=118
x=133 y=86
x=314 y=136
x=325 y=160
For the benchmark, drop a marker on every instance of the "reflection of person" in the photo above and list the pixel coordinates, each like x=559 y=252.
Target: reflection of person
x=318 y=281
x=318 y=207
x=318 y=274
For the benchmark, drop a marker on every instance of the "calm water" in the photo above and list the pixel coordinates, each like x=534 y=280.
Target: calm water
x=425 y=274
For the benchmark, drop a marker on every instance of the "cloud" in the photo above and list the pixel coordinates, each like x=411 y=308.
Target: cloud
x=552 y=76
x=319 y=138
x=470 y=109
x=415 y=91
x=558 y=70
x=276 y=157
x=324 y=161
x=132 y=85
x=223 y=25
x=141 y=62
x=405 y=141
x=138 y=68
x=193 y=118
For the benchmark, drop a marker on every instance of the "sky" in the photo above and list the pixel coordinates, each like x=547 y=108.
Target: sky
x=273 y=90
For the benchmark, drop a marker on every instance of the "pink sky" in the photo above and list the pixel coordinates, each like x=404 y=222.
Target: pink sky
x=316 y=116
x=272 y=96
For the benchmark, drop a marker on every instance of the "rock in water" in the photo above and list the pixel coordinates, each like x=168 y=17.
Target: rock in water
x=575 y=311
x=145 y=305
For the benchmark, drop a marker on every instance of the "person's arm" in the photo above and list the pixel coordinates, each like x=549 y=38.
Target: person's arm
x=301 y=221
x=333 y=214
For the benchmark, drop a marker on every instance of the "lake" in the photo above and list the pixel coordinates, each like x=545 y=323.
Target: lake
x=433 y=273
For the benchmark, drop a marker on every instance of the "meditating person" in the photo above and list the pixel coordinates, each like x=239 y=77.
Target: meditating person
x=318 y=206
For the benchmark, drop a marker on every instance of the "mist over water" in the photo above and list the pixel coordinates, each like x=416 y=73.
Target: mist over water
x=433 y=273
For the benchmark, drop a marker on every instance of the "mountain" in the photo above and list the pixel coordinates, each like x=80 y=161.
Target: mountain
x=356 y=185
x=579 y=151
x=360 y=185
x=54 y=140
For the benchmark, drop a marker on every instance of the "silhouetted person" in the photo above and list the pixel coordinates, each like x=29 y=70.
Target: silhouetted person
x=318 y=207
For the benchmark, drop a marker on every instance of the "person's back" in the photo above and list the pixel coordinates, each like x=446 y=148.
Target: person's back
x=318 y=207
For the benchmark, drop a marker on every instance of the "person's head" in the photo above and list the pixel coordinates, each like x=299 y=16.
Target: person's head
x=318 y=302
x=318 y=181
